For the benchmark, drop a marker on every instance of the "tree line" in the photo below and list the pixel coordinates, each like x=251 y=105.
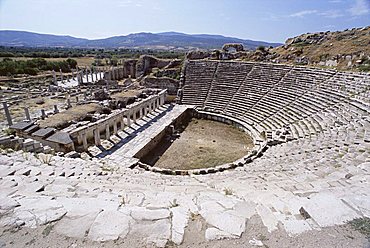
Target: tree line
x=10 y=67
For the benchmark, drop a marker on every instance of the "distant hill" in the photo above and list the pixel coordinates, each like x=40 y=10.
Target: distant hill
x=166 y=40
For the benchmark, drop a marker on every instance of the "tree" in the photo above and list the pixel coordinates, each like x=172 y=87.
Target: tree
x=72 y=63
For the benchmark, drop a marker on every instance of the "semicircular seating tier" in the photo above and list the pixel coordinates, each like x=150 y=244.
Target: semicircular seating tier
x=296 y=101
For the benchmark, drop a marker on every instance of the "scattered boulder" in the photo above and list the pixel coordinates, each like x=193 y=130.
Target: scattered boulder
x=40 y=101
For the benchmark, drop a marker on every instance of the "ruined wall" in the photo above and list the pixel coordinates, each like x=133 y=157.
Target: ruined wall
x=170 y=84
x=146 y=63
x=129 y=68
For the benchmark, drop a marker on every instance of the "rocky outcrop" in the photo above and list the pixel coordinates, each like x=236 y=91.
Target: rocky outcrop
x=348 y=49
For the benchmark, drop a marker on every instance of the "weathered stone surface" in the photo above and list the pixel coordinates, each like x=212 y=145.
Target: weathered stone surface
x=327 y=210
x=292 y=225
x=268 y=218
x=148 y=214
x=7 y=203
x=76 y=226
x=179 y=223
x=11 y=222
x=83 y=206
x=216 y=234
x=225 y=221
x=5 y=160
x=153 y=232
x=110 y=225
x=245 y=209
x=38 y=211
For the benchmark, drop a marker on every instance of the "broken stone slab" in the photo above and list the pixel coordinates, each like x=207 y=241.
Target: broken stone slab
x=59 y=189
x=245 y=209
x=110 y=225
x=360 y=203
x=225 y=221
x=5 y=171
x=7 y=204
x=38 y=211
x=213 y=233
x=211 y=207
x=76 y=226
x=33 y=187
x=180 y=218
x=327 y=210
x=11 y=222
x=6 y=161
x=221 y=199
x=7 y=183
x=268 y=218
x=292 y=225
x=84 y=206
x=152 y=232
x=144 y=214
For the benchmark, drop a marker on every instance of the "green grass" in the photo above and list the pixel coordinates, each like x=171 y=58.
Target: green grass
x=362 y=225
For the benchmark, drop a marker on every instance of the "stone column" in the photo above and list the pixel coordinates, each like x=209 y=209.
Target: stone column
x=69 y=105
x=7 y=114
x=99 y=71
x=87 y=76
x=54 y=78
x=56 y=110
x=113 y=74
x=84 y=141
x=115 y=129
x=145 y=109
x=73 y=75
x=128 y=118
x=78 y=79
x=107 y=132
x=27 y=113
x=162 y=99
x=97 y=137
x=43 y=114
x=92 y=75
x=140 y=113
x=76 y=99
x=134 y=115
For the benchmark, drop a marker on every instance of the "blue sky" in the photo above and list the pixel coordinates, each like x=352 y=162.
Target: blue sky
x=269 y=20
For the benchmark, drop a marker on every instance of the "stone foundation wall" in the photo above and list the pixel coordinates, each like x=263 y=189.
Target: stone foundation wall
x=171 y=85
x=259 y=148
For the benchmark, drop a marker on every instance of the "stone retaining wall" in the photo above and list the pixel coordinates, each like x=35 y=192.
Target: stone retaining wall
x=260 y=146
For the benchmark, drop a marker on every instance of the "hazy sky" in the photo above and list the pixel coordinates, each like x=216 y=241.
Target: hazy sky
x=269 y=20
